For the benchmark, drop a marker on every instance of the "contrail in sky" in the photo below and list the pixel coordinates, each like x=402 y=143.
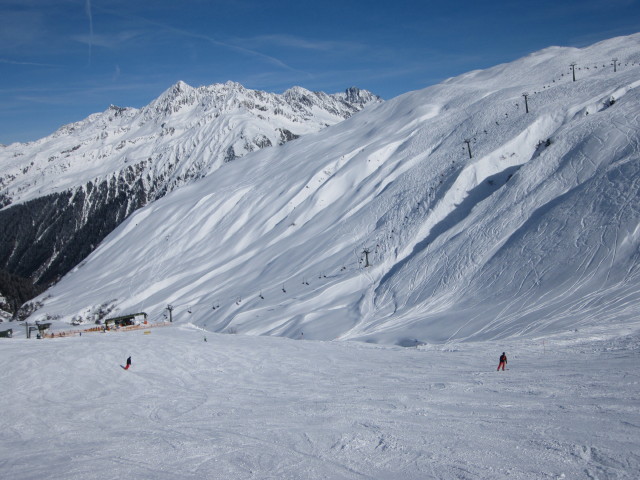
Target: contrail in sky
x=186 y=33
x=14 y=62
x=87 y=8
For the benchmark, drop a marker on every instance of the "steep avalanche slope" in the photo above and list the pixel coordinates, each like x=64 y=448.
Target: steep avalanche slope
x=64 y=193
x=536 y=231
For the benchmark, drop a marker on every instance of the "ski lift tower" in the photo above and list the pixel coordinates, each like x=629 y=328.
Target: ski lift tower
x=366 y=253
x=468 y=142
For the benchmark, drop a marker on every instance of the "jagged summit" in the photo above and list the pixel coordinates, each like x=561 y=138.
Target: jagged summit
x=178 y=88
x=181 y=85
x=459 y=212
x=352 y=98
x=355 y=95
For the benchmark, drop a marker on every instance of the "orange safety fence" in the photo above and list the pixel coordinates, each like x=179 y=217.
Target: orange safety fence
x=101 y=328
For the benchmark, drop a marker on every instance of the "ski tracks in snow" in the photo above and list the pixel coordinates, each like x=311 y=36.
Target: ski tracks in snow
x=262 y=407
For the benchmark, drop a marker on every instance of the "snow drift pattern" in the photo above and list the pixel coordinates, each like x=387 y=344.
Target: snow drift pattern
x=479 y=220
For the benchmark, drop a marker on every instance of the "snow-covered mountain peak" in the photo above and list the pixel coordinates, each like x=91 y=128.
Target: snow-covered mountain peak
x=350 y=97
x=182 y=86
x=355 y=95
x=177 y=89
x=296 y=92
x=172 y=99
x=230 y=85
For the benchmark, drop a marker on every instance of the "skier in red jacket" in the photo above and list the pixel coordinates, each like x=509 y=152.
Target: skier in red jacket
x=128 y=363
x=503 y=361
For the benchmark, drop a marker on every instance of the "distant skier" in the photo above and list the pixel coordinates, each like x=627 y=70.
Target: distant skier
x=128 y=363
x=503 y=361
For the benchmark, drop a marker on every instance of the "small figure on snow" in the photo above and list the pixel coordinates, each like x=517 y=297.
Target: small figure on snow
x=128 y=363
x=503 y=361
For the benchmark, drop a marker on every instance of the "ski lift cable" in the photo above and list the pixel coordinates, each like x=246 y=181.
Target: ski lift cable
x=191 y=307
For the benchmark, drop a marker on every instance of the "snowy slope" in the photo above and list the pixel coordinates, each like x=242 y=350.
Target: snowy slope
x=537 y=233
x=239 y=407
x=64 y=193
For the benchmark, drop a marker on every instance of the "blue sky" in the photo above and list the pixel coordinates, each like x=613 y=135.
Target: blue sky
x=61 y=60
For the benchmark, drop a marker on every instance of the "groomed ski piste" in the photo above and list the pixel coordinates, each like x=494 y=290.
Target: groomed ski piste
x=243 y=407
x=489 y=229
